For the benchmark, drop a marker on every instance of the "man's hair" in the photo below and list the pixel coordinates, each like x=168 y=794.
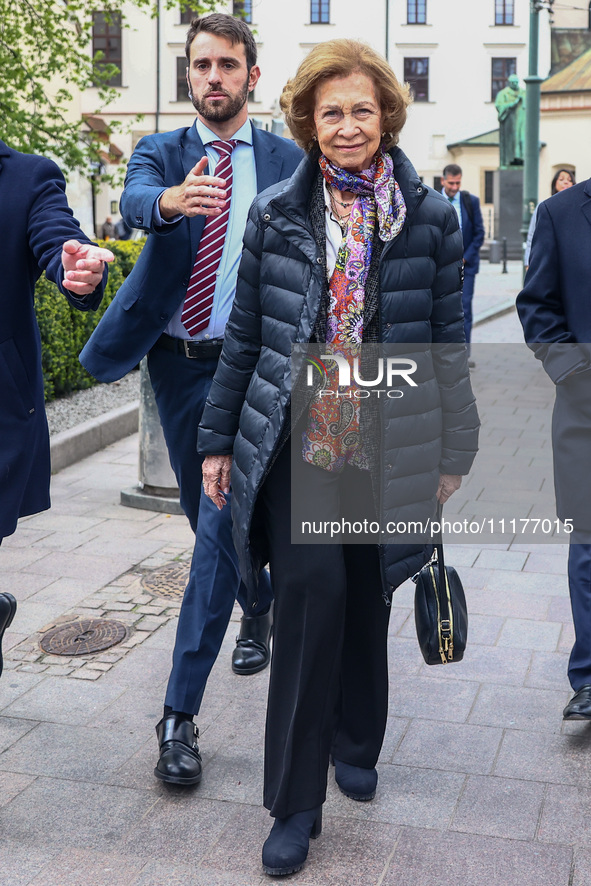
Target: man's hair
x=222 y=25
x=340 y=58
x=451 y=169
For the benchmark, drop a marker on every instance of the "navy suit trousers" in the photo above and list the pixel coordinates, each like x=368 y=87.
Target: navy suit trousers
x=467 y=296
x=579 y=580
x=181 y=386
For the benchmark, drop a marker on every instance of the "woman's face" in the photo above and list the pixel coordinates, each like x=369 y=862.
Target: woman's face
x=563 y=181
x=348 y=121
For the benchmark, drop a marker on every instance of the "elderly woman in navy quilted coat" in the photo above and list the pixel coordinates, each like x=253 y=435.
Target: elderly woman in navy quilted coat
x=353 y=249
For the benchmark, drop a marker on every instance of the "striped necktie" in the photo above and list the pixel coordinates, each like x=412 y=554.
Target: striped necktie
x=199 y=299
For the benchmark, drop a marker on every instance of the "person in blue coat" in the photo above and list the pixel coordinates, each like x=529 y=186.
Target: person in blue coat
x=176 y=192
x=38 y=233
x=555 y=312
x=467 y=207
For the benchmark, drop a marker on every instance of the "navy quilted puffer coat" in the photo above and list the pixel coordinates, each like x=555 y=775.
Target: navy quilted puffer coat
x=279 y=292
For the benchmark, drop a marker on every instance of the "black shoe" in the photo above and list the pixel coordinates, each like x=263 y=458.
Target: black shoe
x=253 y=644
x=180 y=760
x=579 y=707
x=7 y=610
x=355 y=782
x=286 y=848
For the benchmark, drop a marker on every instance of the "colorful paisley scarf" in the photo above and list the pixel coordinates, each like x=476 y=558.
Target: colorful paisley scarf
x=332 y=438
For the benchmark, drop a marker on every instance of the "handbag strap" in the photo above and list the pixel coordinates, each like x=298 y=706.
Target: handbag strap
x=439 y=546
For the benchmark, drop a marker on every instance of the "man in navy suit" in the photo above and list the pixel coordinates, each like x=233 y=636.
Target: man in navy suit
x=174 y=307
x=38 y=233
x=467 y=207
x=555 y=311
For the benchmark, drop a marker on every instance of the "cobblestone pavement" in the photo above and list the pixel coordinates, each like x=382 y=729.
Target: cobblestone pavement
x=480 y=781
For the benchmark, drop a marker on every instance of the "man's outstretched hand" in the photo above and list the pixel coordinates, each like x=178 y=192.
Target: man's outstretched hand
x=84 y=265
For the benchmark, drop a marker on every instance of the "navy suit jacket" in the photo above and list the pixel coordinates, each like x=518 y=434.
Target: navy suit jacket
x=555 y=311
x=156 y=287
x=35 y=221
x=472 y=233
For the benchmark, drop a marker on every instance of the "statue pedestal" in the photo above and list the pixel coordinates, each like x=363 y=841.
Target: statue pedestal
x=508 y=200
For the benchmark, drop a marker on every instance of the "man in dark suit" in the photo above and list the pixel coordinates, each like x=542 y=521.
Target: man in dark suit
x=174 y=307
x=467 y=207
x=38 y=233
x=555 y=312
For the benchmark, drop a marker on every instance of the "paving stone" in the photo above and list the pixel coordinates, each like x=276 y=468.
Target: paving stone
x=347 y=851
x=178 y=827
x=523 y=633
x=404 y=655
x=431 y=699
x=66 y=816
x=548 y=671
x=548 y=564
x=61 y=701
x=511 y=604
x=556 y=759
x=530 y=583
x=406 y=795
x=74 y=752
x=566 y=816
x=514 y=707
x=171 y=873
x=33 y=668
x=21 y=585
x=433 y=857
x=19 y=863
x=80 y=867
x=11 y=730
x=453 y=747
x=14 y=685
x=485 y=664
x=118 y=606
x=11 y=784
x=582 y=867
x=87 y=674
x=499 y=807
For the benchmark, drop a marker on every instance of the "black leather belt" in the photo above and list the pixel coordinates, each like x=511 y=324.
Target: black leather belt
x=210 y=349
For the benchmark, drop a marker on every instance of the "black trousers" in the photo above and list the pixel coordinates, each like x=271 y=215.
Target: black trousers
x=329 y=672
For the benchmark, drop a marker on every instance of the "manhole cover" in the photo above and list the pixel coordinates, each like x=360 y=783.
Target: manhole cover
x=168 y=581
x=83 y=636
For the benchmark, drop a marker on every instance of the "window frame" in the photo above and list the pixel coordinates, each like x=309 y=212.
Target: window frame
x=242 y=9
x=182 y=90
x=113 y=31
x=411 y=79
x=504 y=10
x=507 y=73
x=416 y=12
x=319 y=12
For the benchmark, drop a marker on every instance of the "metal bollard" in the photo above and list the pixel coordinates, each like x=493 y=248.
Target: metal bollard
x=157 y=489
x=505 y=271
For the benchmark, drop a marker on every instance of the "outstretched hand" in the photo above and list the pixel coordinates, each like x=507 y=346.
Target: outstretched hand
x=84 y=265
x=199 y=194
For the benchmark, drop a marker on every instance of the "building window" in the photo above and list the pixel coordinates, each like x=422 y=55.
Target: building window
x=106 y=40
x=504 y=12
x=416 y=12
x=187 y=15
x=502 y=68
x=319 y=12
x=416 y=74
x=489 y=186
x=243 y=9
x=437 y=186
x=182 y=90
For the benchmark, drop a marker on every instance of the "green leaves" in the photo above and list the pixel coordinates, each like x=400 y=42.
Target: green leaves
x=45 y=57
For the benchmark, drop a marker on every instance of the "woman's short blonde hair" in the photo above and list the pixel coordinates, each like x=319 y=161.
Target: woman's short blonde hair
x=339 y=58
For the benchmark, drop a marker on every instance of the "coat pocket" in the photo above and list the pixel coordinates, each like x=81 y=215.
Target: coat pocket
x=16 y=396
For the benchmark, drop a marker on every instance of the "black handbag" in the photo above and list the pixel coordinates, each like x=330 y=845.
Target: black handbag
x=441 y=615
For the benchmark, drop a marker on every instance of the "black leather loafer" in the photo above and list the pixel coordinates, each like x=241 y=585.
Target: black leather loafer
x=253 y=644
x=579 y=707
x=180 y=760
x=355 y=782
x=7 y=611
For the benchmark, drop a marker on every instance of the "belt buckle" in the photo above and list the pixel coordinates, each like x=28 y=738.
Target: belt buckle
x=186 y=344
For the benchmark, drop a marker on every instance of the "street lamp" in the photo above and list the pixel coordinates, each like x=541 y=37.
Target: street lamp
x=531 y=165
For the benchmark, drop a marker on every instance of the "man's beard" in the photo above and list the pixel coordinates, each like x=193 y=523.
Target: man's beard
x=221 y=111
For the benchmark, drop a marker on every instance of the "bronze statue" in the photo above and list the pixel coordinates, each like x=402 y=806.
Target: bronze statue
x=510 y=105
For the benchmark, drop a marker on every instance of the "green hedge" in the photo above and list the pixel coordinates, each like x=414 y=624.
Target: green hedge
x=65 y=330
